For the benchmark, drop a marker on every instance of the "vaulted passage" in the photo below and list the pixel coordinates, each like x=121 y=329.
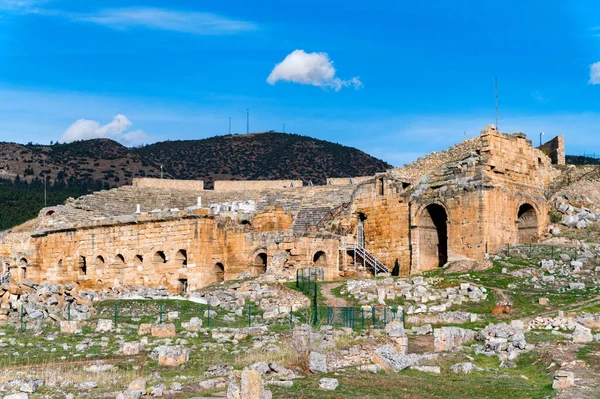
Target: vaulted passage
x=433 y=237
x=219 y=270
x=260 y=264
x=527 y=223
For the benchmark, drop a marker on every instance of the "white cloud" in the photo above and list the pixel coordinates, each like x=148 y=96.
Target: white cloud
x=86 y=129
x=594 y=74
x=199 y=23
x=310 y=69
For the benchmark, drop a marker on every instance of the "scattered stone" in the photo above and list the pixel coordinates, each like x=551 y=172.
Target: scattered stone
x=563 y=379
x=464 y=368
x=582 y=334
x=317 y=363
x=328 y=384
x=165 y=330
x=447 y=338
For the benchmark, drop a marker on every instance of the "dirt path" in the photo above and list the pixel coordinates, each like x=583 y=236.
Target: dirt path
x=587 y=378
x=330 y=299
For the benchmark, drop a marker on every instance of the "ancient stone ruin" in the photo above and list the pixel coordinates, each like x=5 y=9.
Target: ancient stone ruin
x=462 y=203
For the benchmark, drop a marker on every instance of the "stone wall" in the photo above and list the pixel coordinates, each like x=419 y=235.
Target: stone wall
x=555 y=149
x=339 y=181
x=235 y=185
x=146 y=182
x=166 y=252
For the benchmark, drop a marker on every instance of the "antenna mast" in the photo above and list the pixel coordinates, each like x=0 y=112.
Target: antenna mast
x=496 y=89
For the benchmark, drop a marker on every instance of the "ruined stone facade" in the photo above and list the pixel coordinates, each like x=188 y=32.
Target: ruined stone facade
x=465 y=202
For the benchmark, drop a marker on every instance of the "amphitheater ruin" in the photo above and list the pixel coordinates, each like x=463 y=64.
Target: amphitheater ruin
x=462 y=203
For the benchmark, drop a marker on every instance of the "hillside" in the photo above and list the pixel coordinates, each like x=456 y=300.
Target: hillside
x=78 y=168
x=100 y=159
x=261 y=156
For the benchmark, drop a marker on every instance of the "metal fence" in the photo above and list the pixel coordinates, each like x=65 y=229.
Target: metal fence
x=546 y=252
x=307 y=277
x=359 y=318
x=133 y=311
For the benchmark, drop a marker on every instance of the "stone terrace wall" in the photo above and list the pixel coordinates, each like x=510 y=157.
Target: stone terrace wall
x=146 y=182
x=555 y=149
x=336 y=181
x=512 y=159
x=191 y=246
x=234 y=185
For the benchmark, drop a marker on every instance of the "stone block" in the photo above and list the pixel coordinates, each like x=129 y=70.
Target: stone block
x=145 y=329
x=563 y=379
x=70 y=327
x=104 y=325
x=165 y=330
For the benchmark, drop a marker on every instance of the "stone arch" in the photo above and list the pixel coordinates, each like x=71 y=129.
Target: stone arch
x=119 y=259
x=159 y=257
x=181 y=257
x=23 y=266
x=50 y=212
x=138 y=260
x=433 y=236
x=219 y=271
x=82 y=265
x=320 y=259
x=527 y=224
x=99 y=261
x=259 y=264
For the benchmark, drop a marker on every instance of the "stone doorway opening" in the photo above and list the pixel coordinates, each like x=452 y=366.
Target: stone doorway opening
x=260 y=264
x=219 y=270
x=527 y=223
x=433 y=237
x=320 y=259
x=182 y=286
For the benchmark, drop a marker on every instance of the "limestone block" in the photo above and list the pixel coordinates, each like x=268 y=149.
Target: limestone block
x=145 y=329
x=446 y=338
x=563 y=379
x=104 y=325
x=165 y=330
x=70 y=327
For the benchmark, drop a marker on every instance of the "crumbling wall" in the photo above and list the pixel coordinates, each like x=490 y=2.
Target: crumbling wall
x=555 y=149
x=231 y=185
x=146 y=182
x=340 y=181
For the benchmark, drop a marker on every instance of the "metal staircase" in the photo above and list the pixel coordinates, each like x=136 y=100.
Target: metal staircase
x=5 y=278
x=368 y=260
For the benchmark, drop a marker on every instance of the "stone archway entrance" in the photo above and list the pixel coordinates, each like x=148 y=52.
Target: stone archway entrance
x=433 y=237
x=320 y=259
x=260 y=264
x=219 y=270
x=527 y=224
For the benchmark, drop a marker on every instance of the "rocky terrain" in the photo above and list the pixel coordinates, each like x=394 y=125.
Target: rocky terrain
x=428 y=335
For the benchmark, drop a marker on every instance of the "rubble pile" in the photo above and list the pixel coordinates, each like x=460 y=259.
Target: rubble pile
x=426 y=298
x=38 y=302
x=504 y=340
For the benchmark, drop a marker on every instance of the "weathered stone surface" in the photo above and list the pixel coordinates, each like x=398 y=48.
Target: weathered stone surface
x=464 y=368
x=70 y=327
x=104 y=325
x=165 y=330
x=170 y=355
x=317 y=363
x=447 y=338
x=130 y=348
x=328 y=384
x=145 y=329
x=563 y=379
x=582 y=334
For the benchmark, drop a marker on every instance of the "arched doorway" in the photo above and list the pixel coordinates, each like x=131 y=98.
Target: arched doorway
x=527 y=224
x=320 y=259
x=433 y=237
x=23 y=265
x=260 y=264
x=181 y=257
x=159 y=257
x=219 y=271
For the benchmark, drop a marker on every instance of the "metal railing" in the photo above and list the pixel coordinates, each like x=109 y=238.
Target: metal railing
x=306 y=278
x=5 y=278
x=367 y=258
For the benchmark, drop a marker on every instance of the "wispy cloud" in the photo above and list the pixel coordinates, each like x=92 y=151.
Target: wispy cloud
x=594 y=73
x=117 y=129
x=192 y=22
x=197 y=23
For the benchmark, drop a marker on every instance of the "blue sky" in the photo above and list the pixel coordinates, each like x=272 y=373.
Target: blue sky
x=395 y=79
